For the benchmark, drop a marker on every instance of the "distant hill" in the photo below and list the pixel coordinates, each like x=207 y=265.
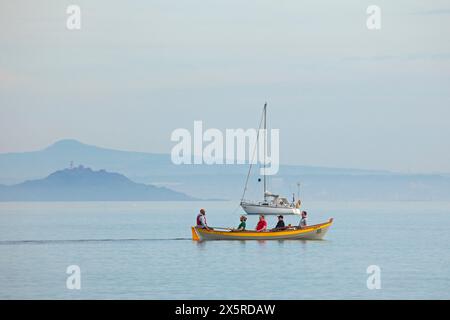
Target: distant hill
x=225 y=181
x=138 y=166
x=17 y=167
x=85 y=184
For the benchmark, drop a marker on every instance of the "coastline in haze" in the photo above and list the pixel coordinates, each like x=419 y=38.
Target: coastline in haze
x=223 y=181
x=85 y=184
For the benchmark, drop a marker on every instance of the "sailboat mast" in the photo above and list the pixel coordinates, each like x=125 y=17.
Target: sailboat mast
x=265 y=146
x=254 y=153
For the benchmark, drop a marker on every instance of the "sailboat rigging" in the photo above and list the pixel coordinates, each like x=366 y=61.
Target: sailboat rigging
x=277 y=205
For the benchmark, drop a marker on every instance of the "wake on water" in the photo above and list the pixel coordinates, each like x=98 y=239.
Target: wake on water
x=58 y=241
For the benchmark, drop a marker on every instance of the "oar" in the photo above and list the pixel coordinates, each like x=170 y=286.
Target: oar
x=231 y=229
x=223 y=228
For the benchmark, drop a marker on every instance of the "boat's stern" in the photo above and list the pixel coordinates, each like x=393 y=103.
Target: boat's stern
x=195 y=236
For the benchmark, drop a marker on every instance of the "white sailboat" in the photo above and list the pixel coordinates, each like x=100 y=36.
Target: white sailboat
x=272 y=204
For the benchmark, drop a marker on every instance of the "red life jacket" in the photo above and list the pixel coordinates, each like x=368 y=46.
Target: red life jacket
x=199 y=222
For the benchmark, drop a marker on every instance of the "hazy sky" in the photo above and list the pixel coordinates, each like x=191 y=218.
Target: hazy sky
x=341 y=95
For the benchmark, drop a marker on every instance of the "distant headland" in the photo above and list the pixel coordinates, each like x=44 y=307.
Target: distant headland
x=145 y=172
x=84 y=184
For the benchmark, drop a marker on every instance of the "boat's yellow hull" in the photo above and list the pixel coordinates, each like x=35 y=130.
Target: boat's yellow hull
x=313 y=232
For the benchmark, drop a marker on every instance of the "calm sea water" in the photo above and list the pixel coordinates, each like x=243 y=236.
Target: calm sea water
x=143 y=251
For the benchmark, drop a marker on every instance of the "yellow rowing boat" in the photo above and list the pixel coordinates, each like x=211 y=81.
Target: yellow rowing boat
x=313 y=232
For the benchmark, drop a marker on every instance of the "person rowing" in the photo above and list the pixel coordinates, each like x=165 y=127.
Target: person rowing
x=201 y=220
x=303 y=221
x=280 y=224
x=242 y=225
x=262 y=224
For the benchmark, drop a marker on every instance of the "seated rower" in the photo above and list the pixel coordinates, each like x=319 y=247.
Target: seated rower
x=303 y=222
x=280 y=224
x=262 y=224
x=242 y=225
x=201 y=220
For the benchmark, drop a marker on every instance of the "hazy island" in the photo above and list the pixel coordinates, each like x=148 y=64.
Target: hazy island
x=84 y=184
